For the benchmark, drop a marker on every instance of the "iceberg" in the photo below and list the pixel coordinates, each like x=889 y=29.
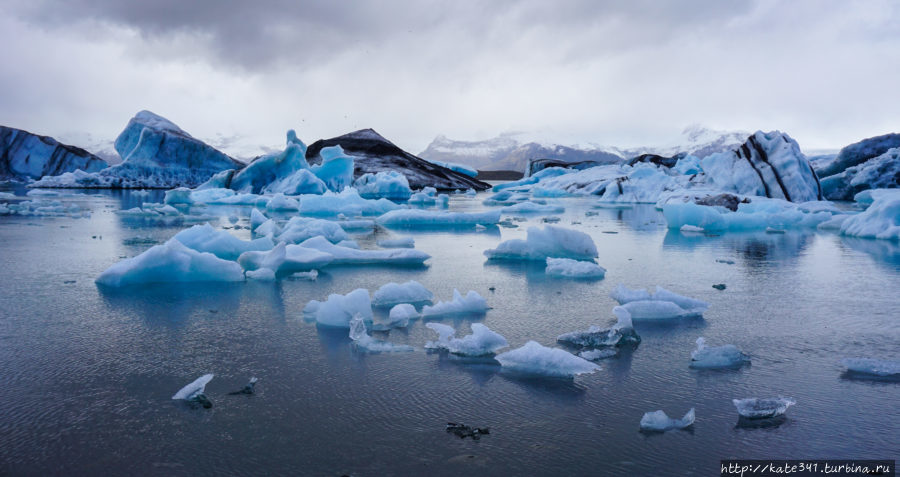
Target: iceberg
x=347 y=202
x=873 y=367
x=757 y=215
x=529 y=207
x=879 y=172
x=385 y=184
x=568 y=268
x=205 y=238
x=299 y=229
x=285 y=259
x=597 y=354
x=364 y=342
x=880 y=221
x=394 y=293
x=336 y=168
x=156 y=154
x=453 y=166
x=350 y=256
x=47 y=208
x=432 y=218
x=195 y=391
x=400 y=242
x=257 y=218
x=171 y=262
x=621 y=334
x=658 y=421
x=425 y=196
x=271 y=172
x=663 y=304
x=532 y=358
x=860 y=152
x=540 y=244
x=261 y=274
x=25 y=156
x=755 y=408
x=471 y=303
x=482 y=341
x=338 y=310
x=709 y=357
x=279 y=202
x=398 y=317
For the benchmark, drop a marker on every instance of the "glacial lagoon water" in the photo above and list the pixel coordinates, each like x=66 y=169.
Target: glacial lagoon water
x=87 y=373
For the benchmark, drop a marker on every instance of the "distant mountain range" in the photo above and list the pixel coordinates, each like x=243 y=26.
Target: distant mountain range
x=505 y=152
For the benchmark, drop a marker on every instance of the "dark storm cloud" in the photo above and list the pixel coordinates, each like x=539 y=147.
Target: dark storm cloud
x=256 y=35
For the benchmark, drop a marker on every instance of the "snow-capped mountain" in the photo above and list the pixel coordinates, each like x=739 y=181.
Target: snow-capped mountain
x=506 y=152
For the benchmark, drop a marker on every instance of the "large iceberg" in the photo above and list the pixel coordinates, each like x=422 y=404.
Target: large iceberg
x=881 y=220
x=482 y=342
x=471 y=303
x=431 y=218
x=351 y=256
x=171 y=262
x=658 y=421
x=25 y=156
x=156 y=154
x=338 y=310
x=364 y=342
x=759 y=214
x=205 y=238
x=621 y=334
x=568 y=268
x=336 y=168
x=725 y=356
x=540 y=244
x=860 y=152
x=395 y=293
x=532 y=358
x=756 y=408
x=277 y=172
x=880 y=172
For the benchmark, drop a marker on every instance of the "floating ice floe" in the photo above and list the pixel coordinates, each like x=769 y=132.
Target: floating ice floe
x=171 y=262
x=482 y=342
x=299 y=229
x=205 y=238
x=432 y=218
x=621 y=334
x=279 y=202
x=195 y=391
x=873 y=367
x=663 y=304
x=725 y=356
x=471 y=303
x=386 y=184
x=759 y=214
x=568 y=268
x=285 y=259
x=352 y=256
x=394 y=293
x=338 y=310
x=540 y=244
x=364 y=342
x=426 y=196
x=257 y=218
x=598 y=354
x=532 y=358
x=756 y=408
x=261 y=274
x=398 y=317
x=659 y=421
x=881 y=220
x=529 y=207
x=45 y=208
x=347 y=202
x=506 y=197
x=400 y=242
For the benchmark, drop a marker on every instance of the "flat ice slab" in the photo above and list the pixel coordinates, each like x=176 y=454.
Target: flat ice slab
x=532 y=358
x=756 y=408
x=660 y=422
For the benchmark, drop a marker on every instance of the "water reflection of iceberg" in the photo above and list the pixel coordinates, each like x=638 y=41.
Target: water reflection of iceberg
x=883 y=251
x=171 y=304
x=753 y=246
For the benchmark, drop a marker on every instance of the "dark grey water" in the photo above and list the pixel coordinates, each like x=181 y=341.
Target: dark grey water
x=86 y=374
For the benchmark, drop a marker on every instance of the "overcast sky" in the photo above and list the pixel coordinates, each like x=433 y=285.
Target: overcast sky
x=605 y=72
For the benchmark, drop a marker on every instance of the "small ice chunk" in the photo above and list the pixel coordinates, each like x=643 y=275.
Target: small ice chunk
x=351 y=256
x=532 y=358
x=261 y=274
x=622 y=333
x=400 y=242
x=285 y=258
x=482 y=342
x=195 y=389
x=726 y=356
x=529 y=207
x=432 y=218
x=596 y=354
x=657 y=310
x=471 y=303
x=663 y=304
x=400 y=315
x=394 y=293
x=256 y=219
x=299 y=229
x=279 y=202
x=623 y=294
x=364 y=342
x=659 y=421
x=338 y=310
x=692 y=229
x=568 y=268
x=872 y=366
x=310 y=275
x=755 y=408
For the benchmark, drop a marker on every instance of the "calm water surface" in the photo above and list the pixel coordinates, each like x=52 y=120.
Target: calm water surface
x=86 y=374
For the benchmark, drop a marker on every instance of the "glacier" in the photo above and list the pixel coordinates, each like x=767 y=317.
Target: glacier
x=155 y=154
x=550 y=242
x=534 y=359
x=658 y=421
x=482 y=342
